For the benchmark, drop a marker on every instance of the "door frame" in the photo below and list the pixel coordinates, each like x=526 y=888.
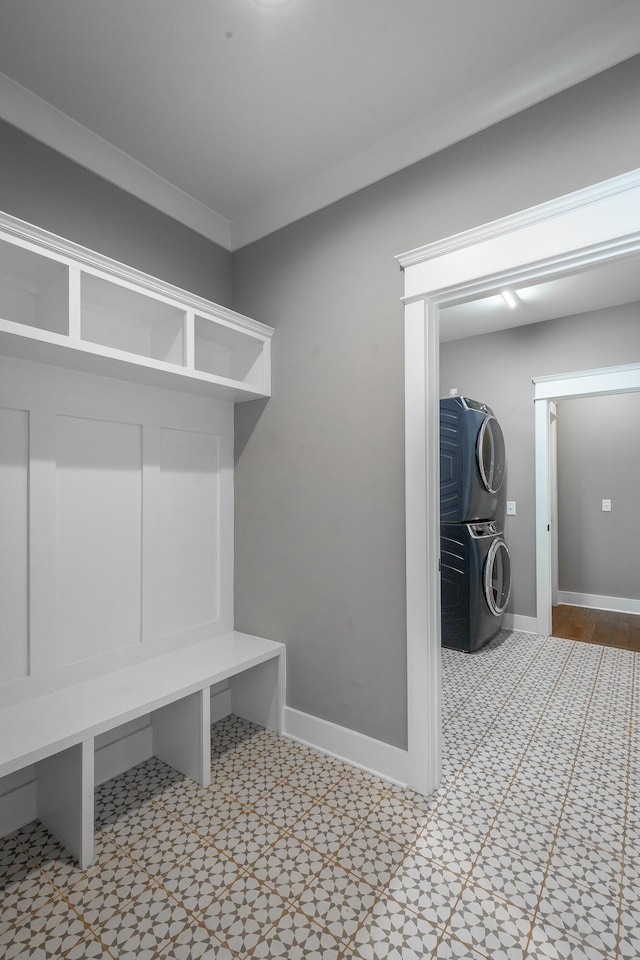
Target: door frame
x=547 y=391
x=571 y=233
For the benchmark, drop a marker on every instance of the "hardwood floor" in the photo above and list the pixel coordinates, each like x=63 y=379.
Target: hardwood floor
x=597 y=626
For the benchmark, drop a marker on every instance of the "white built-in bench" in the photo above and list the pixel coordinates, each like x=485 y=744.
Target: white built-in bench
x=56 y=731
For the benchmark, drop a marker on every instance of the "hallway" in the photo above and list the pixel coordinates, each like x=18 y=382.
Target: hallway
x=605 y=627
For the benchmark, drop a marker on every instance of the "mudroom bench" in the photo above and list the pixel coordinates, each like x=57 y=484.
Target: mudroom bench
x=56 y=731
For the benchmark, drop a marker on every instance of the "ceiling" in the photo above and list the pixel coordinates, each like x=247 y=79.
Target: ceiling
x=239 y=116
x=595 y=288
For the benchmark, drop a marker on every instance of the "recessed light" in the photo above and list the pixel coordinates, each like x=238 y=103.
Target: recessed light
x=510 y=298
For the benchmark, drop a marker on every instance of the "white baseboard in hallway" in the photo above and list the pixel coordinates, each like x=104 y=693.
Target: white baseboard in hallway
x=598 y=602
x=386 y=761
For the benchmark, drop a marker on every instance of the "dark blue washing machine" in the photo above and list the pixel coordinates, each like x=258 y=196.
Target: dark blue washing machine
x=472 y=462
x=475 y=583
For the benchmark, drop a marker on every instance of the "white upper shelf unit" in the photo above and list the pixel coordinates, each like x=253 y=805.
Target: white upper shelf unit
x=63 y=304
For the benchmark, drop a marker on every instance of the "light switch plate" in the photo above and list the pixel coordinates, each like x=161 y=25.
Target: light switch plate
x=511 y=508
x=606 y=506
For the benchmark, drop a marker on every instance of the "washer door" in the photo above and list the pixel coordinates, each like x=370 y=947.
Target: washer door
x=497 y=577
x=490 y=454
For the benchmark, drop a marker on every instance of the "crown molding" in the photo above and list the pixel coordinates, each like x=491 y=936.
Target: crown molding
x=44 y=122
x=599 y=44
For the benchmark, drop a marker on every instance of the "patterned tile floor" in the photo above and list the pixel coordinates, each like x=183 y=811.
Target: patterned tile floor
x=530 y=849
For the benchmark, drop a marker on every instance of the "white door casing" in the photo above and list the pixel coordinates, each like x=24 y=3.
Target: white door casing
x=565 y=235
x=580 y=383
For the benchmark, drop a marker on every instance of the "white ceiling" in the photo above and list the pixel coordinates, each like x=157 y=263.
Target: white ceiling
x=596 y=288
x=238 y=117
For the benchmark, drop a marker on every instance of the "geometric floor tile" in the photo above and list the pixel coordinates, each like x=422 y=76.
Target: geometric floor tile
x=508 y=876
x=296 y=937
x=201 y=879
x=454 y=848
x=244 y=914
x=143 y=926
x=371 y=856
x=392 y=932
x=288 y=867
x=589 y=866
x=43 y=935
x=337 y=901
x=426 y=888
x=491 y=926
x=195 y=942
x=629 y=947
x=581 y=912
x=549 y=943
x=532 y=841
x=529 y=849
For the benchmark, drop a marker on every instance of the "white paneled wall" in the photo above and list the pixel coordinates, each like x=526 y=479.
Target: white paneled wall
x=116 y=524
x=14 y=528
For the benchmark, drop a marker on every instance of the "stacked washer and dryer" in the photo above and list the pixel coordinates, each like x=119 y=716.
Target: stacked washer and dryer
x=475 y=565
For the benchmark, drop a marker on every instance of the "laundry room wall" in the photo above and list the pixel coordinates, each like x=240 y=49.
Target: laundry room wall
x=599 y=458
x=497 y=368
x=39 y=185
x=320 y=545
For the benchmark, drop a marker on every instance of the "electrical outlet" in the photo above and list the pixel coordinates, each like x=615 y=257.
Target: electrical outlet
x=511 y=508
x=606 y=506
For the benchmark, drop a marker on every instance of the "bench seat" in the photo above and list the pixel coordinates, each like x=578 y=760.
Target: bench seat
x=56 y=730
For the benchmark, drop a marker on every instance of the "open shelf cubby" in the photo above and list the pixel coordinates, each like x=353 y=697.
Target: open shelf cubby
x=117 y=317
x=63 y=304
x=34 y=290
x=229 y=353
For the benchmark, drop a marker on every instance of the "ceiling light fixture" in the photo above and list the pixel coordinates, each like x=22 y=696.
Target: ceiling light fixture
x=510 y=298
x=272 y=3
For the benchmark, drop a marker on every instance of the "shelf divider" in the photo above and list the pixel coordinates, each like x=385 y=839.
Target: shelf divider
x=75 y=329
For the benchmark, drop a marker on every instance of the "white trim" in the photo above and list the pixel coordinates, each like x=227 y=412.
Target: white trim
x=60 y=248
x=588 y=383
x=520 y=623
x=596 y=602
x=44 y=122
x=577 y=235
x=523 y=218
x=599 y=44
x=578 y=383
x=380 y=758
x=422 y=547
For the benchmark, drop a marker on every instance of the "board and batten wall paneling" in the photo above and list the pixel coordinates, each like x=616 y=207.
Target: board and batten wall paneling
x=98 y=537
x=190 y=529
x=14 y=545
x=116 y=524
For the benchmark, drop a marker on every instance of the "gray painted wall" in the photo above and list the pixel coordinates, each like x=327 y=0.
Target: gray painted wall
x=320 y=468
x=497 y=368
x=599 y=458
x=43 y=187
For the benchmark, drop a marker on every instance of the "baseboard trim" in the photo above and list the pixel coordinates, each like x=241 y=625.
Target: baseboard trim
x=382 y=759
x=515 y=621
x=598 y=602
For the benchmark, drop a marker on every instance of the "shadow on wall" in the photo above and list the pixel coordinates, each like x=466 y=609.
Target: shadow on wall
x=246 y=417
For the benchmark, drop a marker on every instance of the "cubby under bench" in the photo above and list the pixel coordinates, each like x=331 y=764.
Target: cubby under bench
x=56 y=731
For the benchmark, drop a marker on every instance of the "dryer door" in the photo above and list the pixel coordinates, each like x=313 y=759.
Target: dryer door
x=497 y=577
x=490 y=454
